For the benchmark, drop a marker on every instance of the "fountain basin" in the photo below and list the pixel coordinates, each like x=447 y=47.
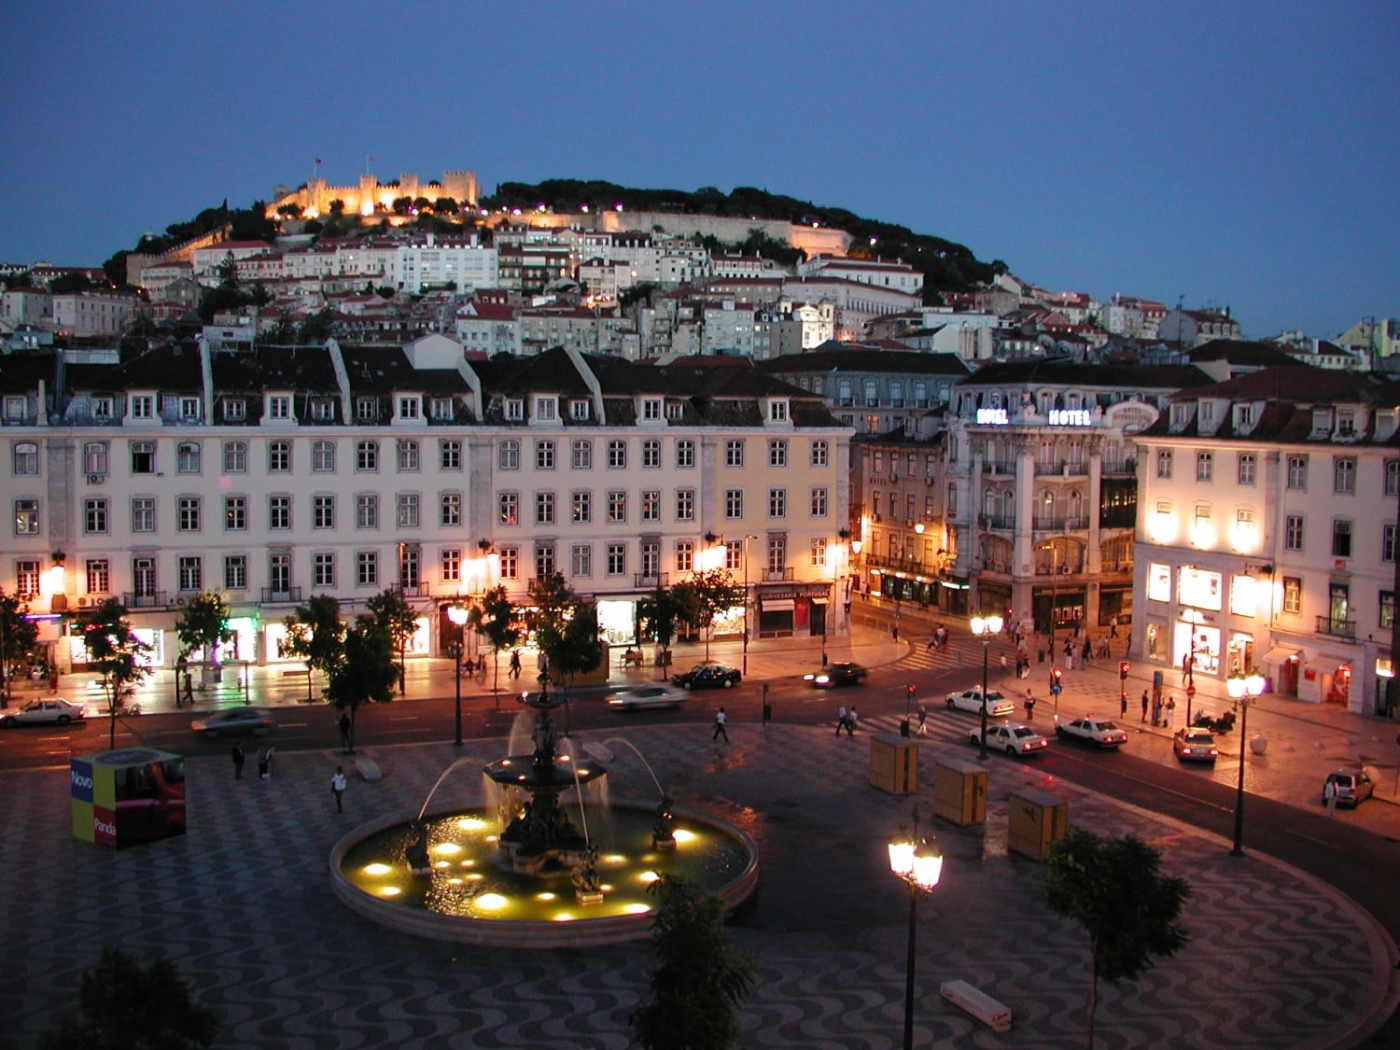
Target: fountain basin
x=473 y=896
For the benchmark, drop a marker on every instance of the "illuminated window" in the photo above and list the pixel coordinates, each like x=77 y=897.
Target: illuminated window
x=1292 y=594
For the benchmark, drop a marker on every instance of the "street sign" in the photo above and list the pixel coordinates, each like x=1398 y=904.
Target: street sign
x=1191 y=690
x=1055 y=688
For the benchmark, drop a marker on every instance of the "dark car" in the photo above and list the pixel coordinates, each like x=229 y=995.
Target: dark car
x=1194 y=745
x=841 y=672
x=705 y=676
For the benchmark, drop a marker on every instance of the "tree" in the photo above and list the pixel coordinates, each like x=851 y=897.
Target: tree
x=498 y=625
x=579 y=649
x=422 y=204
x=552 y=601
x=700 y=978
x=366 y=673
x=337 y=207
x=402 y=205
x=658 y=614
x=397 y=617
x=705 y=595
x=202 y=624
x=1115 y=890
x=316 y=633
x=445 y=206
x=18 y=634
x=114 y=652
x=127 y=1006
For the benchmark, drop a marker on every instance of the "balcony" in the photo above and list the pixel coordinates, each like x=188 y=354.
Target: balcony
x=997 y=521
x=1061 y=524
x=1000 y=466
x=413 y=590
x=1061 y=468
x=1336 y=628
x=149 y=600
x=650 y=579
x=271 y=596
x=776 y=576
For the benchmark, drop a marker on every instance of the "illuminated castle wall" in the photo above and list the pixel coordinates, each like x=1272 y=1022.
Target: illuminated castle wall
x=370 y=195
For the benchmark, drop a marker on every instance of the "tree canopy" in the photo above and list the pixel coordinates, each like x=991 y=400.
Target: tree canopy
x=316 y=633
x=114 y=652
x=203 y=624
x=18 y=635
x=366 y=673
x=392 y=612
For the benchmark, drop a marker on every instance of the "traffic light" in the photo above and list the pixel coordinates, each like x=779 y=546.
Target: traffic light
x=1123 y=671
x=909 y=690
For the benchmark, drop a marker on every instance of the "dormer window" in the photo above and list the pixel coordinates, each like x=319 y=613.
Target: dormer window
x=1322 y=422
x=674 y=411
x=578 y=410
x=441 y=408
x=778 y=410
x=1346 y=422
x=189 y=408
x=1244 y=417
x=651 y=409
x=366 y=410
x=410 y=406
x=279 y=406
x=102 y=408
x=546 y=409
x=1207 y=413
x=1181 y=415
x=143 y=406
x=515 y=409
x=323 y=410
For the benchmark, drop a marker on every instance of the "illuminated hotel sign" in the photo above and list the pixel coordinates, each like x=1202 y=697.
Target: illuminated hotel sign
x=993 y=416
x=1069 y=417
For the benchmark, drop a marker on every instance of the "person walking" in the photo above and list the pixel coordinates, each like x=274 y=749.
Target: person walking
x=1086 y=652
x=1329 y=793
x=1030 y=706
x=338 y=789
x=923 y=720
x=189 y=689
x=840 y=719
x=345 y=733
x=1144 y=705
x=720 y=719
x=1113 y=627
x=851 y=719
x=265 y=761
x=515 y=663
x=238 y=758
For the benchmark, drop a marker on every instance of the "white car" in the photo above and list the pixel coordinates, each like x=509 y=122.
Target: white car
x=1015 y=740
x=971 y=700
x=658 y=695
x=1092 y=730
x=44 y=712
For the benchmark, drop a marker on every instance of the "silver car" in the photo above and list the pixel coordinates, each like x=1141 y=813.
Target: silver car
x=55 y=711
x=658 y=695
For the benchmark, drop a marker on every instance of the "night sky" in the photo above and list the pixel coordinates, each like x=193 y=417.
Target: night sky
x=1241 y=154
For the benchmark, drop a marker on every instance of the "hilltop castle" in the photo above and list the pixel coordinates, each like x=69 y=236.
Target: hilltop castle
x=370 y=195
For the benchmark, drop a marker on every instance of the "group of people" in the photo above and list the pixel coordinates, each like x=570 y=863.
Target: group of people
x=264 y=758
x=938 y=639
x=846 y=719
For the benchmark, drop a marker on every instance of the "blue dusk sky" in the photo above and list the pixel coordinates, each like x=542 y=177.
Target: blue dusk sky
x=1239 y=154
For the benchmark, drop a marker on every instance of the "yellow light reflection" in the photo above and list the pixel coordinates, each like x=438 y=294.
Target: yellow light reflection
x=636 y=909
x=377 y=869
x=471 y=823
x=681 y=835
x=447 y=849
x=544 y=896
x=389 y=891
x=476 y=876
x=614 y=858
x=454 y=882
x=440 y=864
x=563 y=916
x=490 y=902
x=648 y=876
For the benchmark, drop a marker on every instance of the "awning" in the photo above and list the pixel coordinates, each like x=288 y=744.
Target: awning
x=1282 y=653
x=818 y=601
x=777 y=604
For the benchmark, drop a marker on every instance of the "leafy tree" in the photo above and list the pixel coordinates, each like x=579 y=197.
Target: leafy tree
x=402 y=205
x=127 y=1006
x=700 y=979
x=705 y=595
x=498 y=625
x=397 y=617
x=445 y=206
x=552 y=601
x=384 y=291
x=18 y=636
x=366 y=673
x=114 y=652
x=579 y=649
x=316 y=633
x=202 y=624
x=71 y=282
x=317 y=328
x=422 y=204
x=1114 y=888
x=289 y=211
x=337 y=207
x=658 y=614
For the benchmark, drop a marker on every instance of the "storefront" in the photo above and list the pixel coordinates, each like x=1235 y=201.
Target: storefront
x=792 y=610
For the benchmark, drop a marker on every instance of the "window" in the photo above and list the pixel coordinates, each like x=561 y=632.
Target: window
x=366 y=410
x=734 y=453
x=508 y=504
x=581 y=560
x=544 y=455
x=777 y=453
x=235 y=513
x=279 y=457
x=685 y=556
x=685 y=453
x=410 y=406
x=143 y=577
x=581 y=455
x=685 y=504
x=323 y=457
x=819 y=552
x=1292 y=594
x=99 y=576
x=1341 y=538
x=1164 y=463
x=450 y=510
x=189 y=408
x=819 y=503
x=617 y=506
x=578 y=410
x=450 y=455
x=279 y=512
x=510 y=563
x=95 y=517
x=733 y=555
x=409 y=510
x=508 y=455
x=26 y=517
x=235 y=457
x=651 y=453
x=1344 y=475
x=777 y=411
x=651 y=558
x=143 y=457
x=546 y=409
x=95 y=458
x=1246 y=468
x=675 y=411
x=187 y=455
x=651 y=408
x=581 y=508
x=323 y=512
x=367 y=455
x=777 y=553
x=323 y=570
x=1346 y=422
x=1293 y=532
x=27 y=578
x=367 y=511
x=617 y=559
x=143 y=514
x=101 y=408
x=1388 y=543
x=544 y=559
x=323 y=410
x=189 y=508
x=408 y=457
x=733 y=503
x=544 y=508
x=1387 y=610
x=235 y=410
x=451 y=564
x=1392 y=477
x=142 y=406
x=617 y=455
x=651 y=505
x=777 y=503
x=819 y=452
x=1205 y=465
x=279 y=406
x=279 y=573
x=1298 y=472
x=26 y=458
x=236 y=572
x=515 y=409
x=191 y=572
x=367 y=568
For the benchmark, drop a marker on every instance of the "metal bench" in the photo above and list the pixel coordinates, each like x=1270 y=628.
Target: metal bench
x=993 y=1014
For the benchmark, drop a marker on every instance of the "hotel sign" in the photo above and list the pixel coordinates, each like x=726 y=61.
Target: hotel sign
x=993 y=416
x=1069 y=417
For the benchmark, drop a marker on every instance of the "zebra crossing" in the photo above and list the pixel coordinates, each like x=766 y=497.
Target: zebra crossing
x=942 y=726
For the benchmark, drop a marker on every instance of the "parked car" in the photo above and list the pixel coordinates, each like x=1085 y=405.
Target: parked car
x=842 y=672
x=234 y=720
x=647 y=696
x=971 y=700
x=1092 y=730
x=1353 y=786
x=703 y=676
x=55 y=711
x=1194 y=744
x=1015 y=740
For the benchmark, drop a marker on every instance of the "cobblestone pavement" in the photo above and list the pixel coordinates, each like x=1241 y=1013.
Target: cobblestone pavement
x=243 y=906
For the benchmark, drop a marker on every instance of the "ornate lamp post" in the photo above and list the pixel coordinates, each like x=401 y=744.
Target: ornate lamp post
x=983 y=627
x=1244 y=691
x=458 y=615
x=919 y=863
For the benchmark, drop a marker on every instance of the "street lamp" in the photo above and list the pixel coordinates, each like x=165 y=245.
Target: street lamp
x=1244 y=691
x=744 y=669
x=458 y=615
x=920 y=871
x=983 y=627
x=1054 y=595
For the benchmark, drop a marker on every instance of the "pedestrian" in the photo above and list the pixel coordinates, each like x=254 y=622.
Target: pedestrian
x=1069 y=647
x=1171 y=707
x=1086 y=652
x=1156 y=709
x=894 y=632
x=720 y=731
x=345 y=733
x=338 y=789
x=1144 y=705
x=1186 y=662
x=1003 y=664
x=1030 y=706
x=1122 y=704
x=851 y=719
x=515 y=663
x=840 y=719
x=238 y=758
x=1069 y=660
x=932 y=641
x=923 y=720
x=265 y=761
x=1113 y=627
x=1329 y=794
x=189 y=688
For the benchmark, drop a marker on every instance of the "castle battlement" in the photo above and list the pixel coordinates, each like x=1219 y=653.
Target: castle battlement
x=370 y=195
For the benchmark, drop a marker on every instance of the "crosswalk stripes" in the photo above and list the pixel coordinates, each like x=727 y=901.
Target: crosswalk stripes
x=947 y=730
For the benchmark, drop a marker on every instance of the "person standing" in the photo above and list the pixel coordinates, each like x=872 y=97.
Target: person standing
x=345 y=733
x=1113 y=627
x=1329 y=793
x=851 y=719
x=1030 y=706
x=515 y=663
x=720 y=719
x=923 y=720
x=1123 y=704
x=338 y=789
x=265 y=761
x=1144 y=705
x=840 y=719
x=238 y=758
